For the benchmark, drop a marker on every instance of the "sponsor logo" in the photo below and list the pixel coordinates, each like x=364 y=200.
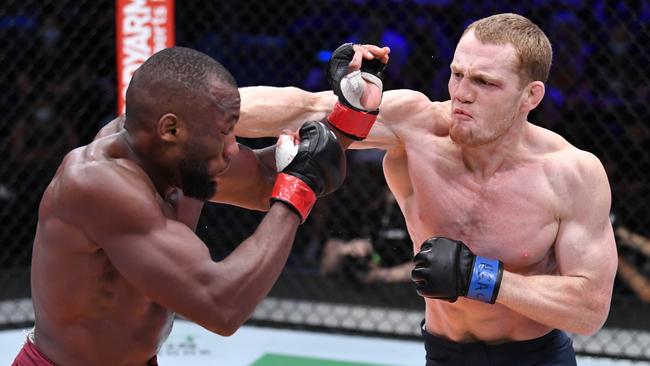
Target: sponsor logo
x=144 y=27
x=186 y=346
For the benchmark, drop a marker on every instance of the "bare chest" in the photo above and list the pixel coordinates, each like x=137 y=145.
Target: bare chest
x=510 y=216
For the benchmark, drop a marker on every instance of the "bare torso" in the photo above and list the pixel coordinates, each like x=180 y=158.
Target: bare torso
x=512 y=215
x=86 y=312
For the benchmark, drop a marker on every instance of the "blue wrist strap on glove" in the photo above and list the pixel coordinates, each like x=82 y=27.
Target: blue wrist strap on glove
x=485 y=280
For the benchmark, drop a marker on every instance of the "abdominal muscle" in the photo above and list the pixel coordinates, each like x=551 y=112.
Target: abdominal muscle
x=472 y=321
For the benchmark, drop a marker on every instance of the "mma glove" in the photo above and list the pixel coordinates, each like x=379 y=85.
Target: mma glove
x=313 y=168
x=348 y=115
x=446 y=269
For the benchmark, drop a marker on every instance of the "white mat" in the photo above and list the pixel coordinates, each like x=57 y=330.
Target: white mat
x=190 y=344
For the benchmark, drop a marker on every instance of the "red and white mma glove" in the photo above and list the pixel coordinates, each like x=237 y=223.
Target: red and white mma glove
x=316 y=166
x=349 y=115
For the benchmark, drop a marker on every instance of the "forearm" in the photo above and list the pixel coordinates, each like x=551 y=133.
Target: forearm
x=266 y=111
x=564 y=302
x=249 y=180
x=246 y=276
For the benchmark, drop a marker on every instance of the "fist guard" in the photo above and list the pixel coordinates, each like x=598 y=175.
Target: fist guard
x=349 y=116
x=446 y=269
x=317 y=168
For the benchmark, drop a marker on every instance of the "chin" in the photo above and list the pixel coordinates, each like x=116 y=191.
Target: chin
x=460 y=135
x=201 y=192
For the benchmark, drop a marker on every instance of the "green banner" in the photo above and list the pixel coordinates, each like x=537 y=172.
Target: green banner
x=271 y=359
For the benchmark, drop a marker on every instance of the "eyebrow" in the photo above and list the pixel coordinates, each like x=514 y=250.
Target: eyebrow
x=477 y=74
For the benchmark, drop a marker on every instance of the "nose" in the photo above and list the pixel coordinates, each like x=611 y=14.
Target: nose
x=462 y=91
x=231 y=149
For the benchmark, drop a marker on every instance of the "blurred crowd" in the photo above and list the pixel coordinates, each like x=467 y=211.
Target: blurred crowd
x=58 y=73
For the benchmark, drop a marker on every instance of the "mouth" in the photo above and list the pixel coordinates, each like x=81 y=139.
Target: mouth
x=461 y=113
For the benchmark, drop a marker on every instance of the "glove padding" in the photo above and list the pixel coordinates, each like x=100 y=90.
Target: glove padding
x=317 y=168
x=446 y=269
x=349 y=116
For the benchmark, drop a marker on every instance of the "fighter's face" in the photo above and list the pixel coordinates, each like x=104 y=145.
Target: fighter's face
x=485 y=91
x=196 y=180
x=209 y=151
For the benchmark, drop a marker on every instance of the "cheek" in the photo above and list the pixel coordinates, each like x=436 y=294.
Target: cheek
x=450 y=87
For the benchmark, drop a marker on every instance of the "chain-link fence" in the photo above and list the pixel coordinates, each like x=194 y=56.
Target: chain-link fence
x=58 y=73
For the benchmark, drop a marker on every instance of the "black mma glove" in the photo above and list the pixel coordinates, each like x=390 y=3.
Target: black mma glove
x=446 y=268
x=314 y=168
x=348 y=115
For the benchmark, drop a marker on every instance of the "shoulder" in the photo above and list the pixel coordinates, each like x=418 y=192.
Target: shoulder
x=88 y=188
x=581 y=171
x=397 y=103
x=561 y=157
x=411 y=108
x=578 y=177
x=114 y=126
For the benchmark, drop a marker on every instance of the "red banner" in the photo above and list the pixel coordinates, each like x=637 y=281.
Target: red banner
x=143 y=27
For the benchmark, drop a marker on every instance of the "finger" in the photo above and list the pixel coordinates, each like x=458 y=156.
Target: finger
x=289 y=135
x=355 y=64
x=385 y=57
x=285 y=151
x=374 y=52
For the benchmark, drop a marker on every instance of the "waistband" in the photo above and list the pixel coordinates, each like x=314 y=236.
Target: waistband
x=518 y=346
x=30 y=355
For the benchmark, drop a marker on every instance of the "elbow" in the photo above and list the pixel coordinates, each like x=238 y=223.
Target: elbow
x=224 y=330
x=588 y=330
x=228 y=314
x=226 y=323
x=593 y=320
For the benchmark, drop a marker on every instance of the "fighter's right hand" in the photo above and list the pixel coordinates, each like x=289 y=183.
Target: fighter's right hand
x=315 y=168
x=446 y=269
x=351 y=68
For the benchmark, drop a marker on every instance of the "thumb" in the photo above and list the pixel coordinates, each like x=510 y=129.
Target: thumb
x=371 y=97
x=285 y=150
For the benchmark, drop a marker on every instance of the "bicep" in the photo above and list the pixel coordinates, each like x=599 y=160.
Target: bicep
x=400 y=114
x=585 y=246
x=166 y=262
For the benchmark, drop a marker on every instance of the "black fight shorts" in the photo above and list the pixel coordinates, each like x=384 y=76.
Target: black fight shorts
x=552 y=349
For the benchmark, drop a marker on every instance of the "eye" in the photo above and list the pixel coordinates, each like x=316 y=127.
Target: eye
x=482 y=82
x=227 y=132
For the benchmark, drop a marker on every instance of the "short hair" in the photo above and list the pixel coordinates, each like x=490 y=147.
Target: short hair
x=175 y=69
x=534 y=52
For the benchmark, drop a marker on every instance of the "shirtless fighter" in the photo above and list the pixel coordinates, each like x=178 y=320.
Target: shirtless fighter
x=115 y=255
x=509 y=221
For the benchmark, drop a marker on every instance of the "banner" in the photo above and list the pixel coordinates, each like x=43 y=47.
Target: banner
x=143 y=27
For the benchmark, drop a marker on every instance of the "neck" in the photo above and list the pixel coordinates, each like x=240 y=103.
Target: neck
x=136 y=148
x=487 y=159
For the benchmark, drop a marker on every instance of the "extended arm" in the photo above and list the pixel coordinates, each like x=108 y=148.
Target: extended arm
x=355 y=74
x=266 y=111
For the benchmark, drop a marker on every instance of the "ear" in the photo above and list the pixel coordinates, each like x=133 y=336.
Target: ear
x=169 y=127
x=534 y=94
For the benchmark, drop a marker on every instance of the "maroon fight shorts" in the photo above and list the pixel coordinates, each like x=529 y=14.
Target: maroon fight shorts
x=29 y=355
